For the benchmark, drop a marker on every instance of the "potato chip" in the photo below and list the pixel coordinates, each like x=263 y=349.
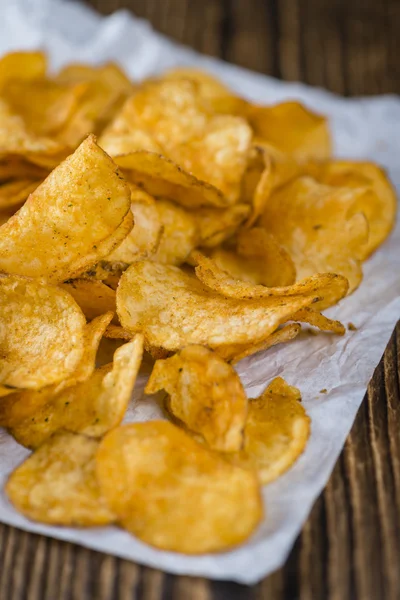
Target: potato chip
x=160 y=177
x=179 y=233
x=379 y=205
x=92 y=296
x=285 y=334
x=174 y=309
x=329 y=287
x=316 y=319
x=22 y=65
x=322 y=228
x=74 y=218
x=276 y=432
x=293 y=129
x=206 y=394
x=91 y=407
x=116 y=332
x=217 y=225
x=144 y=239
x=258 y=259
x=159 y=482
x=24 y=404
x=263 y=187
x=57 y=484
x=14 y=193
x=41 y=334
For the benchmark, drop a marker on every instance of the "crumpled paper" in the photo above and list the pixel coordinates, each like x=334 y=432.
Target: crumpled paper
x=362 y=127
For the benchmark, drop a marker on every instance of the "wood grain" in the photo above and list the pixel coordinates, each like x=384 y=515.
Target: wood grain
x=349 y=548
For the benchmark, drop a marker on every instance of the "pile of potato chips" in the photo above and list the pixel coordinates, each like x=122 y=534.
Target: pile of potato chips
x=197 y=227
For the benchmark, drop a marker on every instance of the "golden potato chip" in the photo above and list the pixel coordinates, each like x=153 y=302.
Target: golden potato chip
x=73 y=219
x=144 y=239
x=91 y=407
x=116 y=332
x=328 y=287
x=322 y=228
x=285 y=334
x=23 y=405
x=263 y=187
x=179 y=233
x=276 y=432
x=57 y=484
x=206 y=394
x=174 y=309
x=92 y=296
x=316 y=319
x=160 y=177
x=22 y=65
x=379 y=205
x=158 y=481
x=217 y=225
x=258 y=259
x=291 y=128
x=16 y=192
x=41 y=337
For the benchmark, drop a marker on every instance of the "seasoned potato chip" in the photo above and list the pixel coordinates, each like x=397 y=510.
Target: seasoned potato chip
x=285 y=334
x=116 y=332
x=93 y=297
x=322 y=228
x=16 y=192
x=57 y=484
x=160 y=177
x=72 y=219
x=91 y=407
x=292 y=129
x=217 y=225
x=205 y=393
x=316 y=319
x=329 y=287
x=179 y=235
x=263 y=188
x=276 y=432
x=379 y=205
x=41 y=334
x=22 y=65
x=258 y=259
x=173 y=493
x=23 y=405
x=174 y=309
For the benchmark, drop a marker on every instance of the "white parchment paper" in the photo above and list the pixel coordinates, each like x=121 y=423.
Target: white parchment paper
x=363 y=128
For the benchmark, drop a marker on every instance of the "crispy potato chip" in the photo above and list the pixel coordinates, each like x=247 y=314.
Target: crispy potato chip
x=74 y=218
x=16 y=192
x=144 y=239
x=293 y=129
x=276 y=432
x=322 y=228
x=41 y=334
x=316 y=319
x=206 y=394
x=285 y=334
x=379 y=205
x=217 y=225
x=23 y=66
x=116 y=332
x=328 y=287
x=24 y=404
x=57 y=484
x=91 y=407
x=263 y=187
x=158 y=481
x=179 y=233
x=174 y=309
x=92 y=296
x=160 y=177
x=258 y=259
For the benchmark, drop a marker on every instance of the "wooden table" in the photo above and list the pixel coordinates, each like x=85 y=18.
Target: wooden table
x=350 y=546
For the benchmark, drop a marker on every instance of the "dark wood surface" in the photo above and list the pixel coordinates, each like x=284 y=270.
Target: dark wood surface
x=350 y=546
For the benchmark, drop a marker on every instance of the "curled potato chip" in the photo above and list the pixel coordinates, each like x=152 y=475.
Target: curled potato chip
x=91 y=407
x=74 y=218
x=16 y=192
x=322 y=228
x=217 y=225
x=57 y=484
x=205 y=393
x=160 y=177
x=116 y=332
x=179 y=233
x=174 y=309
x=258 y=259
x=285 y=334
x=316 y=319
x=41 y=333
x=24 y=404
x=276 y=432
x=292 y=128
x=328 y=287
x=94 y=297
x=378 y=205
x=22 y=65
x=150 y=473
